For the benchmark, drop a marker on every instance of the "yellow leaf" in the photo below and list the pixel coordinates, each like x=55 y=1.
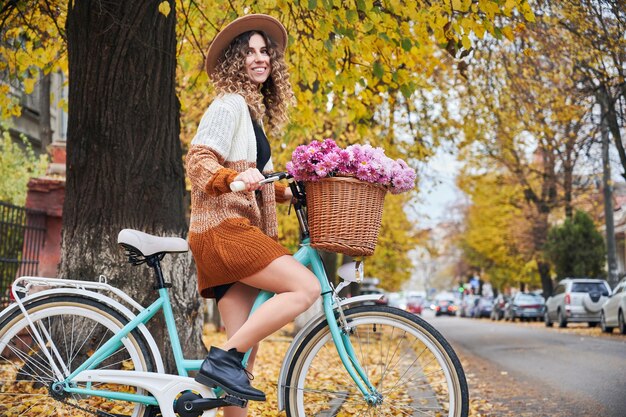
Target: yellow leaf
x=508 y=33
x=29 y=85
x=528 y=13
x=461 y=5
x=467 y=44
x=164 y=8
x=479 y=30
x=509 y=5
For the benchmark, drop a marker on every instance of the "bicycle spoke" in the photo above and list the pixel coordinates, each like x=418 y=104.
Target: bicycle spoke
x=76 y=352
x=68 y=347
x=387 y=360
x=27 y=361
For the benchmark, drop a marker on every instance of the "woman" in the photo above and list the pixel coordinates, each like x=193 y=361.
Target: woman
x=233 y=235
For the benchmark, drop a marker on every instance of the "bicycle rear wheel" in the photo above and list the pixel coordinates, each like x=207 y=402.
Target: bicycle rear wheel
x=73 y=327
x=405 y=358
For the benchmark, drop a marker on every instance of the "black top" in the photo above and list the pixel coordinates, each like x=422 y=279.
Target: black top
x=263 y=151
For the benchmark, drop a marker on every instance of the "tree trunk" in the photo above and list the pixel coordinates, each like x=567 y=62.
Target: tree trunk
x=546 y=280
x=45 y=131
x=124 y=159
x=568 y=181
x=541 y=227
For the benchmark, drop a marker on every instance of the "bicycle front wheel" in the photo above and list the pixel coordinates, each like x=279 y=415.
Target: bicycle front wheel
x=72 y=328
x=411 y=365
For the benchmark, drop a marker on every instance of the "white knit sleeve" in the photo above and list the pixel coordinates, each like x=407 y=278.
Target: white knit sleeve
x=217 y=127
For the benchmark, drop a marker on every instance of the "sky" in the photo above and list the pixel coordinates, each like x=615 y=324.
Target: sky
x=438 y=192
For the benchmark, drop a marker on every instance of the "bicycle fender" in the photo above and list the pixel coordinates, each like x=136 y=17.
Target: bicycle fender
x=121 y=308
x=297 y=340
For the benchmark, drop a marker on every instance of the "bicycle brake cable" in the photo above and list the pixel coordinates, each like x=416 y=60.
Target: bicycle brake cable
x=343 y=322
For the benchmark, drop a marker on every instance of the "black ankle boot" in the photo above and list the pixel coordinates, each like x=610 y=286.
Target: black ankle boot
x=224 y=369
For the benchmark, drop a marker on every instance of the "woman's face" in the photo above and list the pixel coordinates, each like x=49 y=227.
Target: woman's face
x=257 y=59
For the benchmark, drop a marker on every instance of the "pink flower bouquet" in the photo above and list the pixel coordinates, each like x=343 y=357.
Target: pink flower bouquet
x=325 y=159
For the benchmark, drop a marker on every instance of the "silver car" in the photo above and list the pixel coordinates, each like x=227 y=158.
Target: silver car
x=614 y=310
x=576 y=300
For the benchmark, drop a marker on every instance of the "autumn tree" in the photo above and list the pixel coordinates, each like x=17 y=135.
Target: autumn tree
x=493 y=220
x=33 y=44
x=596 y=28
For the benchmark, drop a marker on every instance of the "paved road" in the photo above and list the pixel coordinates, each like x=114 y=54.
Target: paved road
x=558 y=373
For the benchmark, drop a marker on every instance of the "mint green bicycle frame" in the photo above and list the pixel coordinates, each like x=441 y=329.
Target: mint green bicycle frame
x=307 y=256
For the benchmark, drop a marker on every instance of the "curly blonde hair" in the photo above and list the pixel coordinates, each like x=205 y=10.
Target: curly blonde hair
x=275 y=95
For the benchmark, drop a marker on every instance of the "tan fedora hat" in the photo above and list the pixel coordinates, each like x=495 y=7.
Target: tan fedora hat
x=262 y=22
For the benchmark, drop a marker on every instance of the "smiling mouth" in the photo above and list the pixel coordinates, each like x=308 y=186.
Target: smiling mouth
x=259 y=70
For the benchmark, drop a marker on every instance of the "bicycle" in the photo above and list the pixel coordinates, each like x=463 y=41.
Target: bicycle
x=83 y=347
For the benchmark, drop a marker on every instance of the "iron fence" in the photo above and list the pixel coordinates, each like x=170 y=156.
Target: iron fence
x=22 y=233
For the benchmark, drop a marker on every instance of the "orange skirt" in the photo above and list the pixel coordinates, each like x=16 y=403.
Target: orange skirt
x=230 y=252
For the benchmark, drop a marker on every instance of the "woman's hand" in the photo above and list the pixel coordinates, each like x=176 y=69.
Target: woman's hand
x=251 y=178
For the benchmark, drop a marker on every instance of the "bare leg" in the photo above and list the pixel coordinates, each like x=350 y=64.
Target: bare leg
x=234 y=308
x=296 y=290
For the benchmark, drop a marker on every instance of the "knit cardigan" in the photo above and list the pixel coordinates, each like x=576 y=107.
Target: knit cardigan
x=231 y=235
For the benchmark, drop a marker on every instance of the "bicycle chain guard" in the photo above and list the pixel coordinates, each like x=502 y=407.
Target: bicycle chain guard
x=164 y=387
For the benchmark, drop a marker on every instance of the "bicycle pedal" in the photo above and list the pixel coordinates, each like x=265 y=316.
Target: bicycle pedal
x=236 y=401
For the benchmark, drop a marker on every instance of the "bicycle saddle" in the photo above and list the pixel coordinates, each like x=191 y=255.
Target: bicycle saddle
x=148 y=245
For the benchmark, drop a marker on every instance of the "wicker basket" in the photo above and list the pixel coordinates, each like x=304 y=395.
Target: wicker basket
x=344 y=215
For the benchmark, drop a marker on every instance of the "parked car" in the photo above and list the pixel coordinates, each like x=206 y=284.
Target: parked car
x=497 y=307
x=415 y=304
x=613 y=313
x=445 y=306
x=577 y=300
x=482 y=307
x=524 y=306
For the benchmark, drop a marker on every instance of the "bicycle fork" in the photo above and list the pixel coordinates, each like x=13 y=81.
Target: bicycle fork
x=341 y=337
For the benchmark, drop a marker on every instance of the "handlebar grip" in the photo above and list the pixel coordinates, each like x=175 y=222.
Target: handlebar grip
x=237 y=186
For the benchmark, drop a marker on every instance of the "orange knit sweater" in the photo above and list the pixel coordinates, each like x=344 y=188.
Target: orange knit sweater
x=231 y=235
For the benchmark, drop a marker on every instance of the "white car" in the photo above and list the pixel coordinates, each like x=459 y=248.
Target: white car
x=576 y=300
x=614 y=310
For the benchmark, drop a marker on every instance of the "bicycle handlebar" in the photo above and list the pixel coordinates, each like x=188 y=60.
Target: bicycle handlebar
x=298 y=199
x=237 y=186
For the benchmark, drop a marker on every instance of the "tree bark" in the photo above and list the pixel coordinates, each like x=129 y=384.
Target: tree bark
x=610 y=119
x=546 y=280
x=541 y=226
x=124 y=158
x=45 y=131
